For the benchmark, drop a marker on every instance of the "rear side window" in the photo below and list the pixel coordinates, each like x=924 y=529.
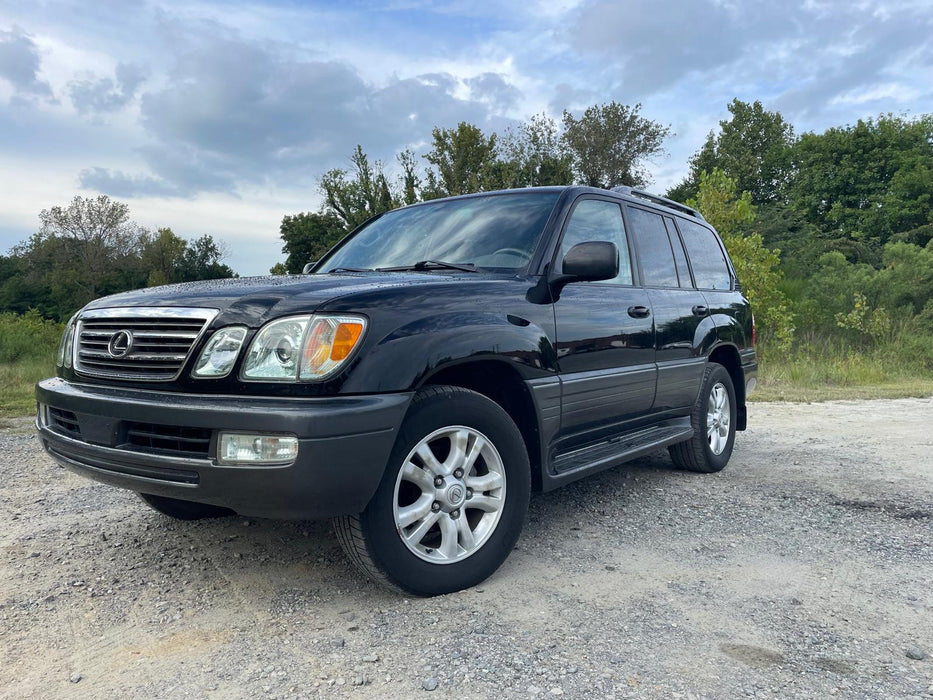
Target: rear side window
x=683 y=270
x=598 y=220
x=709 y=265
x=654 y=248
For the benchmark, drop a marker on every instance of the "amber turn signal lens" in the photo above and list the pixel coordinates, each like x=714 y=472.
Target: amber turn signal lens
x=345 y=340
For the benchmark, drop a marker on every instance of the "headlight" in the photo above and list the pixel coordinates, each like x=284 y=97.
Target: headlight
x=66 y=346
x=302 y=348
x=220 y=353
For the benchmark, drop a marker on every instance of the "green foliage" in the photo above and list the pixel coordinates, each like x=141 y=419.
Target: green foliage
x=757 y=267
x=356 y=197
x=27 y=336
x=873 y=323
x=753 y=147
x=91 y=248
x=537 y=154
x=609 y=143
x=860 y=185
x=466 y=160
x=307 y=237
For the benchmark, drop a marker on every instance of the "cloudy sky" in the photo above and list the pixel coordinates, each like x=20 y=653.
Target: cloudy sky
x=219 y=117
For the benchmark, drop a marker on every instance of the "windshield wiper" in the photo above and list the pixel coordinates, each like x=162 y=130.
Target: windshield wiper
x=433 y=265
x=350 y=269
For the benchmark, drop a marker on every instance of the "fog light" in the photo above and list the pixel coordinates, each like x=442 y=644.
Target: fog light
x=244 y=448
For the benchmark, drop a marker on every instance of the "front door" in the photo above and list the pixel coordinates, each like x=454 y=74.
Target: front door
x=605 y=334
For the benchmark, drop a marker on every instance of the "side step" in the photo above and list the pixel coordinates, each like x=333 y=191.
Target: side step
x=620 y=448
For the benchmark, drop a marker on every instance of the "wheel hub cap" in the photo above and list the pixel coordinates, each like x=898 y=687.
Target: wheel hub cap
x=449 y=494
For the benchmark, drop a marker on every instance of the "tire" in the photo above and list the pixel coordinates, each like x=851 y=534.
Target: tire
x=184 y=510
x=713 y=419
x=452 y=501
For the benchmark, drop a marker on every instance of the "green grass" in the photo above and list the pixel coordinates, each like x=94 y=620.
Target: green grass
x=831 y=374
x=17 y=385
x=27 y=354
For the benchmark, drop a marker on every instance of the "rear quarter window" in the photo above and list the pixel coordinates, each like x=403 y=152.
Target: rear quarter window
x=710 y=270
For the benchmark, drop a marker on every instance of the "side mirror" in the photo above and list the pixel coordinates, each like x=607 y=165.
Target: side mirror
x=306 y=270
x=591 y=261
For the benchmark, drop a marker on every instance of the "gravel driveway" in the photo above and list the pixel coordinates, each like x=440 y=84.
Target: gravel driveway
x=805 y=569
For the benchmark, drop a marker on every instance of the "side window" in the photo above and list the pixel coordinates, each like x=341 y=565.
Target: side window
x=654 y=248
x=683 y=270
x=709 y=266
x=598 y=220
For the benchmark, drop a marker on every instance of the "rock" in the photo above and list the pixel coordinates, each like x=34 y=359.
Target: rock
x=429 y=684
x=75 y=677
x=916 y=653
x=556 y=691
x=338 y=643
x=371 y=658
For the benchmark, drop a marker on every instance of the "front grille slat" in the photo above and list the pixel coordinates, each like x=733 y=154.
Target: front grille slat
x=63 y=421
x=168 y=439
x=159 y=341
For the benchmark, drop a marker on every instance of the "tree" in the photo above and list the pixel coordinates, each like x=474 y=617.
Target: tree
x=101 y=234
x=162 y=256
x=538 y=154
x=753 y=147
x=360 y=196
x=861 y=185
x=464 y=159
x=609 y=142
x=756 y=266
x=201 y=260
x=307 y=236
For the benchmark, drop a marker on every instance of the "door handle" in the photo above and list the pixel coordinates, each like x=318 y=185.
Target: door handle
x=700 y=310
x=638 y=311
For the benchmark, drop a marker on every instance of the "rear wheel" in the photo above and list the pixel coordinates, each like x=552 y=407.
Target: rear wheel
x=184 y=510
x=713 y=419
x=452 y=501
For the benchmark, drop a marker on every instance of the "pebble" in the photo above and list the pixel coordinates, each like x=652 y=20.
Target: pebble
x=75 y=677
x=429 y=684
x=916 y=653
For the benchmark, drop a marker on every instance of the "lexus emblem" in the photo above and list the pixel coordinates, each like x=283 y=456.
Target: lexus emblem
x=120 y=344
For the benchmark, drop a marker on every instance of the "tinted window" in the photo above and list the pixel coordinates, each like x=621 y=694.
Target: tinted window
x=598 y=220
x=683 y=270
x=654 y=248
x=495 y=231
x=709 y=266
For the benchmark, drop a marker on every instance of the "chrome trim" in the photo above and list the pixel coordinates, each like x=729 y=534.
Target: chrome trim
x=140 y=313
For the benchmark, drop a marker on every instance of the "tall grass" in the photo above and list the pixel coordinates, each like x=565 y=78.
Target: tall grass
x=28 y=344
x=822 y=368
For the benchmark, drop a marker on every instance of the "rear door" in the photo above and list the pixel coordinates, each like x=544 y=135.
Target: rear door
x=681 y=314
x=605 y=333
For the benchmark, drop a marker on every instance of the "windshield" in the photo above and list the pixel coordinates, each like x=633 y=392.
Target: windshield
x=495 y=231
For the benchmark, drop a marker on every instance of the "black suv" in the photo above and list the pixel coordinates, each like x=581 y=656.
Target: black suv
x=440 y=363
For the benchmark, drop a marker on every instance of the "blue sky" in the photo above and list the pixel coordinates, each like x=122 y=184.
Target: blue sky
x=219 y=117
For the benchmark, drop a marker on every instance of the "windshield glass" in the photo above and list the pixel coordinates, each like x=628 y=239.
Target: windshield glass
x=492 y=232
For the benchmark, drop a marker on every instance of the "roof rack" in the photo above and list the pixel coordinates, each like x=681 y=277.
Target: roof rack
x=625 y=189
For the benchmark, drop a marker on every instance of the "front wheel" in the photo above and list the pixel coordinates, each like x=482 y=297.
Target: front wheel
x=452 y=502
x=713 y=419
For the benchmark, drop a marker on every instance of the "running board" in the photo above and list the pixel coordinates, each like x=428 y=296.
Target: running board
x=620 y=448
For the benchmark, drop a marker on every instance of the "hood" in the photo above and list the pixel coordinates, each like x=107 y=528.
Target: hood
x=253 y=300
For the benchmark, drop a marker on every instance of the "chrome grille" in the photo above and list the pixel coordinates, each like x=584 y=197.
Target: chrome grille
x=147 y=343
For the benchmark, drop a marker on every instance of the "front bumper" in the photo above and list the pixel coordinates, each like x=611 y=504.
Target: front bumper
x=344 y=445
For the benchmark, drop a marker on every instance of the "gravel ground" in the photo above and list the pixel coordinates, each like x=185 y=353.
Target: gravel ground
x=802 y=570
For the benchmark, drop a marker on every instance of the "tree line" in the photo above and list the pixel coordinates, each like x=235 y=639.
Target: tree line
x=91 y=248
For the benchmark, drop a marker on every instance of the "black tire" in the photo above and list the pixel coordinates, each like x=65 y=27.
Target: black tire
x=184 y=510
x=697 y=454
x=373 y=540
